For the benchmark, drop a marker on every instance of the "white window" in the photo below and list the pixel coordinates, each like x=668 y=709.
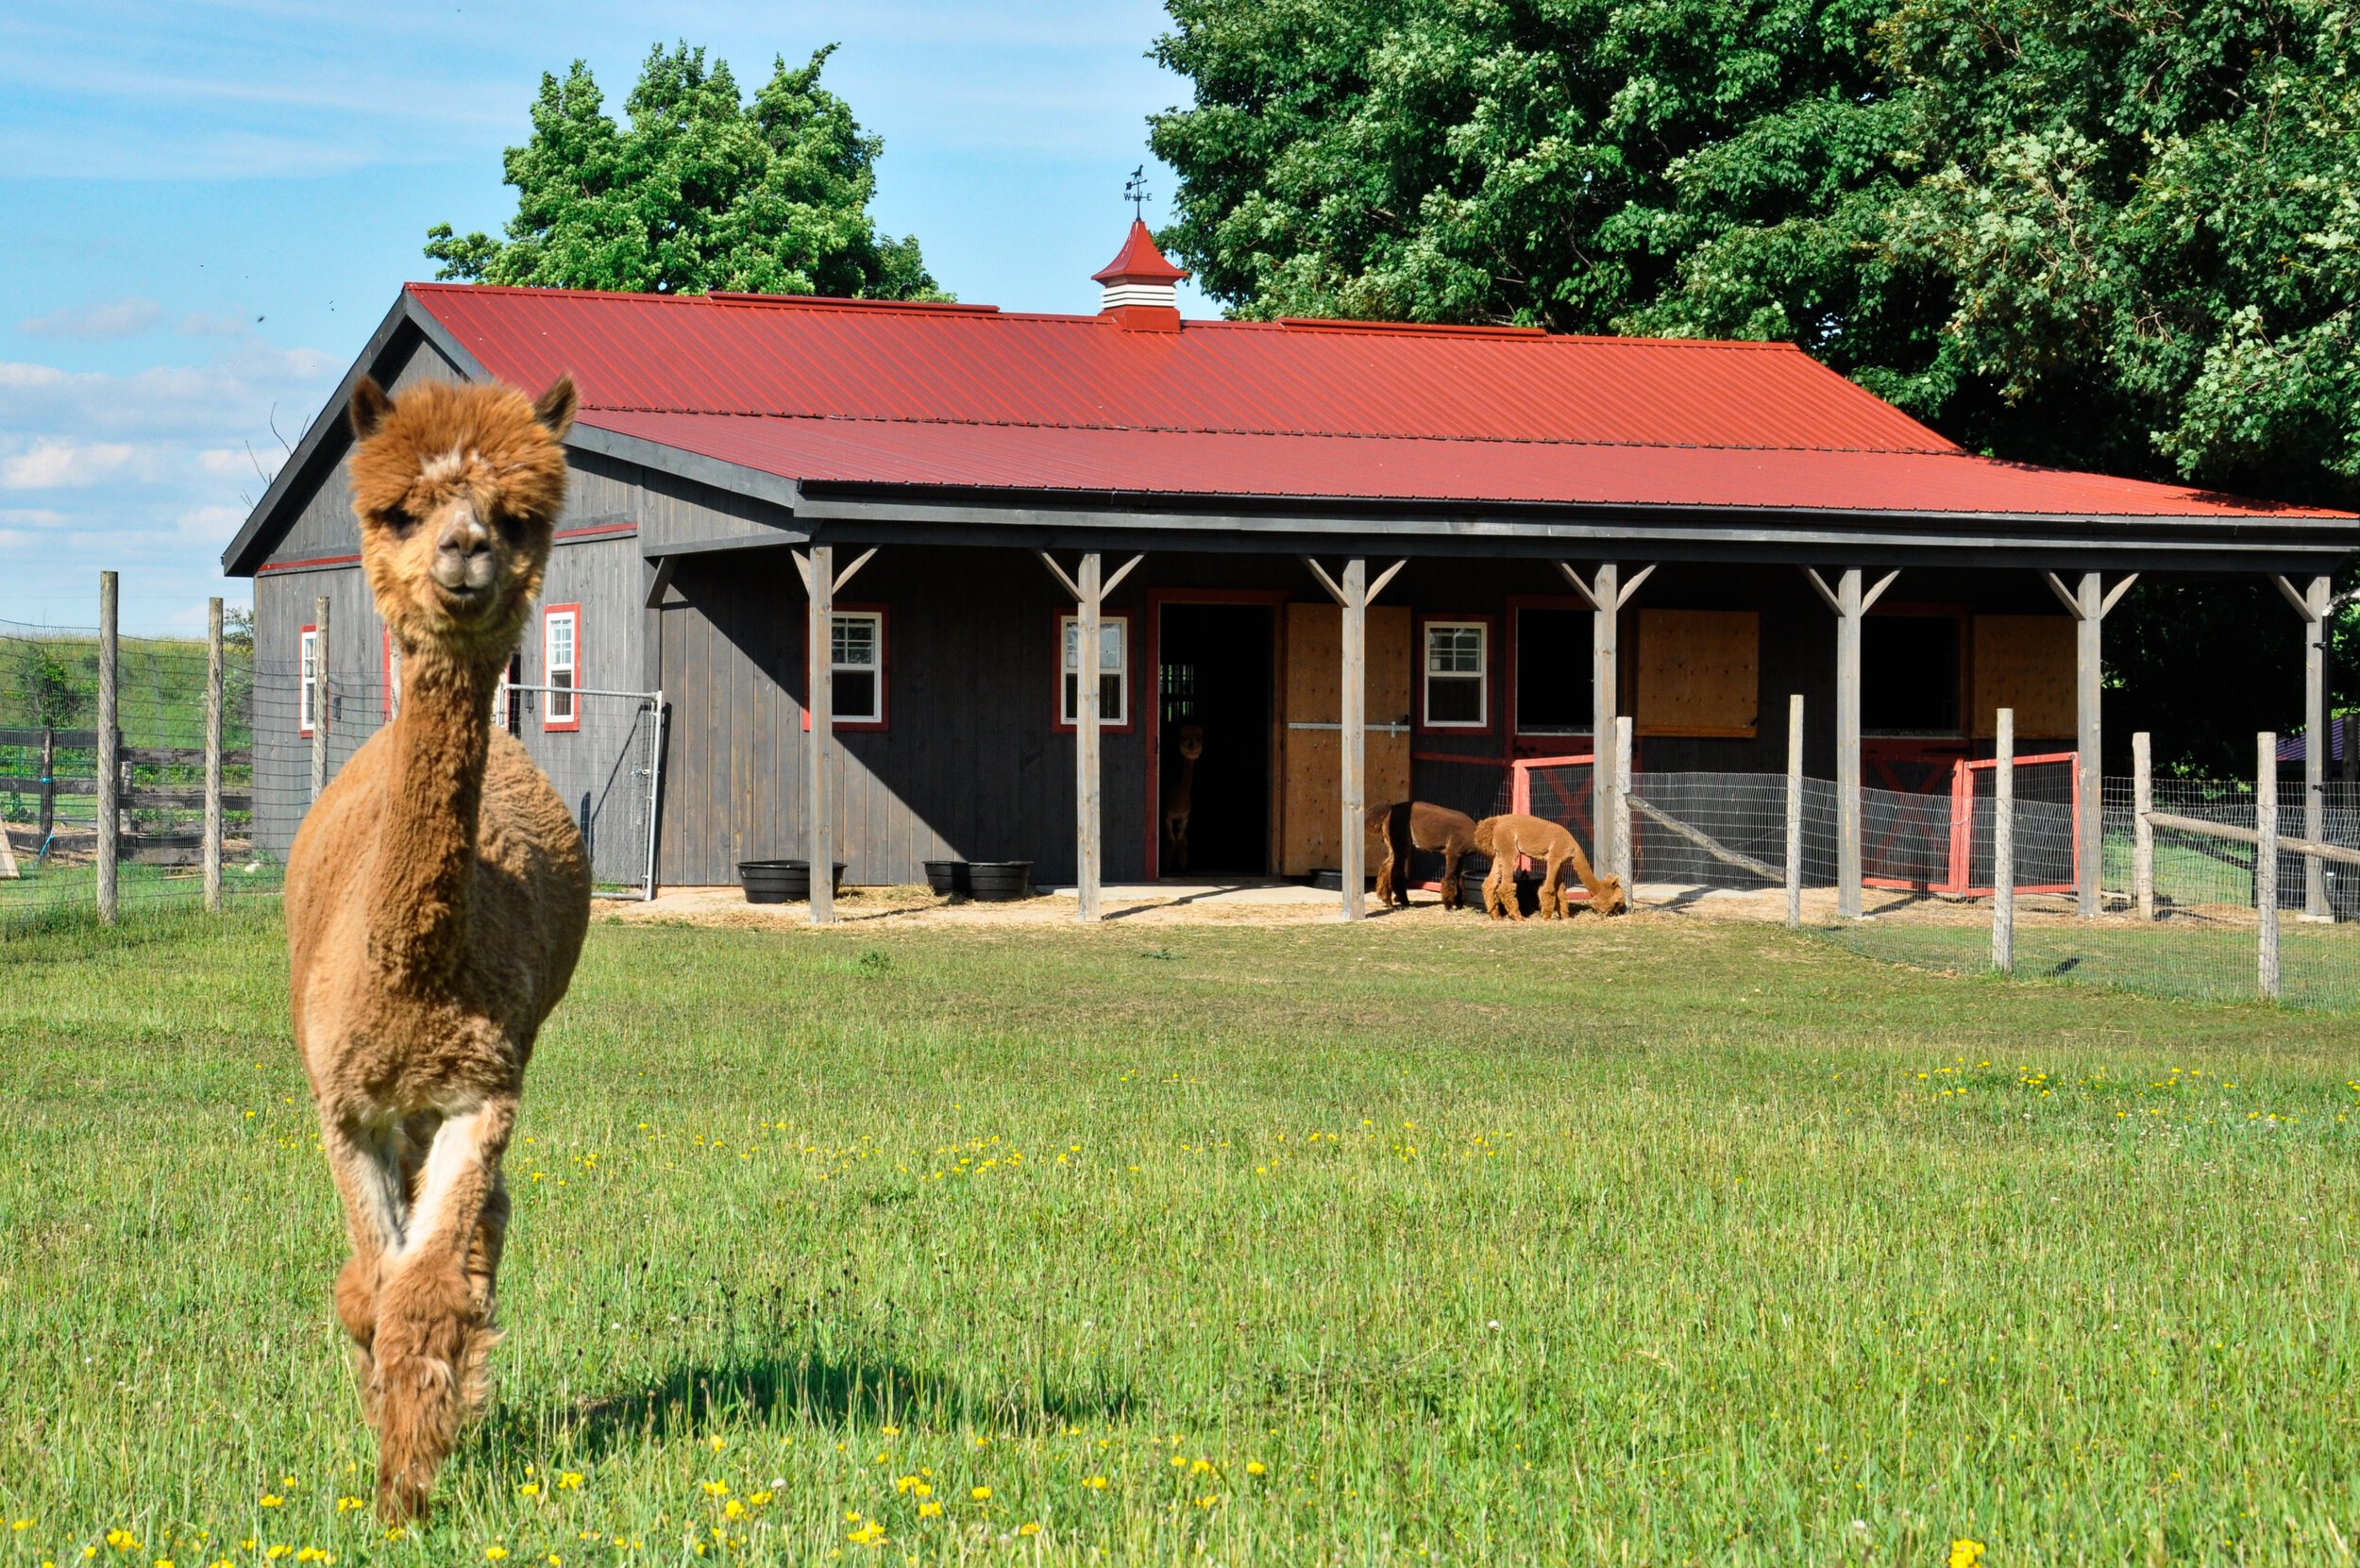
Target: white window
x=561 y=666
x=856 y=667
x=1114 y=670
x=1456 y=653
x=308 y=682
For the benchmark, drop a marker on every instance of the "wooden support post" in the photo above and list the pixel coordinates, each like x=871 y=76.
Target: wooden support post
x=1351 y=853
x=1847 y=781
x=319 y=696
x=2003 y=845
x=2089 y=838
x=1626 y=860
x=818 y=790
x=2142 y=831
x=1085 y=740
x=2312 y=603
x=1794 y=811
x=213 y=756
x=2266 y=856
x=1604 y=695
x=110 y=750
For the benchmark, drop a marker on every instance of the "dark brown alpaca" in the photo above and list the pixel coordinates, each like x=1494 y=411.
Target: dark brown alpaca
x=1505 y=838
x=1179 y=803
x=1417 y=824
x=437 y=895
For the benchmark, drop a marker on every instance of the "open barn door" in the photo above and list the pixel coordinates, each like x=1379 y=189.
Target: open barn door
x=1312 y=783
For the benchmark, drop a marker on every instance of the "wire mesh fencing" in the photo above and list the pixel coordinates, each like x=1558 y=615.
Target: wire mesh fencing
x=50 y=766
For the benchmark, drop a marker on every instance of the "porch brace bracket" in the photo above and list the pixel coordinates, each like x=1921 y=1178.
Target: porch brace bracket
x=1089 y=590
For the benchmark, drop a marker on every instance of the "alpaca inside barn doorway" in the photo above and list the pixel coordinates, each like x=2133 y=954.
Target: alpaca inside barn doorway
x=1214 y=672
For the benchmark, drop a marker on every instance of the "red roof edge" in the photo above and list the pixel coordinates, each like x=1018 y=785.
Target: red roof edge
x=822 y=302
x=1436 y=329
x=1139 y=261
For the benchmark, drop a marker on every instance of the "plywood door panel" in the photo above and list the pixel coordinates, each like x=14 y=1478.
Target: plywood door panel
x=1312 y=691
x=1699 y=672
x=2025 y=663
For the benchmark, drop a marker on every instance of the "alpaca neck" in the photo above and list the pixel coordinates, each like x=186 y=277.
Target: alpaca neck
x=433 y=806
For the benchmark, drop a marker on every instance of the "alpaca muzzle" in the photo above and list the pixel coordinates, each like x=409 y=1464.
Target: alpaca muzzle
x=464 y=560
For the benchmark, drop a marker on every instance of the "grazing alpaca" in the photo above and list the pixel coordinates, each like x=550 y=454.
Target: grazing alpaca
x=1176 y=798
x=1416 y=824
x=1505 y=838
x=436 y=900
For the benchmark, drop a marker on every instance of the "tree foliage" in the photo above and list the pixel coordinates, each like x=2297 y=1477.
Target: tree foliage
x=2116 y=234
x=699 y=191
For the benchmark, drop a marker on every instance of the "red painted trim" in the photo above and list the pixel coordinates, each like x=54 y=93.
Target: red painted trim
x=885 y=665
x=596 y=530
x=298 y=566
x=1490 y=623
x=1271 y=598
x=1462 y=762
x=1130 y=672
x=303 y=730
x=560 y=726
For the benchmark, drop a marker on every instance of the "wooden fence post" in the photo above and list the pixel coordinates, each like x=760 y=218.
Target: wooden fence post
x=2003 y=846
x=1794 y=811
x=1626 y=859
x=213 y=756
x=319 y=695
x=2142 y=831
x=49 y=785
x=110 y=750
x=2265 y=855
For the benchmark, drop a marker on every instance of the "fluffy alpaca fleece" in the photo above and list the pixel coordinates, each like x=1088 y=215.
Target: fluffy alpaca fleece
x=1179 y=805
x=1505 y=838
x=1405 y=825
x=437 y=895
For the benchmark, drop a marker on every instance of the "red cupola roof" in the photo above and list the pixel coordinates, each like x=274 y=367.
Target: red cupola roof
x=1138 y=261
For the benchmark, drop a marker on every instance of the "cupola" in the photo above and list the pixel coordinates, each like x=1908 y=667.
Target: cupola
x=1140 y=286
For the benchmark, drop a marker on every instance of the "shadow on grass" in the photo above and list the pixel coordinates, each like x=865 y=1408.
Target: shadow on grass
x=812 y=1388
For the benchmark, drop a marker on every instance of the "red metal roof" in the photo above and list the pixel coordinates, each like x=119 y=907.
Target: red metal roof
x=970 y=396
x=1139 y=261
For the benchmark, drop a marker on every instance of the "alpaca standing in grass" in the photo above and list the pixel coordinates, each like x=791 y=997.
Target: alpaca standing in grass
x=1405 y=825
x=436 y=900
x=1505 y=838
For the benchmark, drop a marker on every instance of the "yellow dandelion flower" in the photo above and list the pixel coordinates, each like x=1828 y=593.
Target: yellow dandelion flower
x=123 y=1541
x=716 y=1489
x=981 y=1494
x=1028 y=1527
x=733 y=1509
x=1965 y=1553
x=531 y=1489
x=569 y=1480
x=1255 y=1467
x=20 y=1525
x=928 y=1510
x=718 y=1443
x=1096 y=1483
x=495 y=1552
x=759 y=1498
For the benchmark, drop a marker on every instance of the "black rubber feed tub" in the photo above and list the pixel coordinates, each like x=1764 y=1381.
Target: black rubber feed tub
x=780 y=881
x=1330 y=878
x=1470 y=878
x=950 y=876
x=1000 y=880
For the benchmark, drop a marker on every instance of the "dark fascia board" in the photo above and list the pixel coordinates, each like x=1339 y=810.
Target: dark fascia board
x=759 y=484
x=775 y=539
x=2159 y=544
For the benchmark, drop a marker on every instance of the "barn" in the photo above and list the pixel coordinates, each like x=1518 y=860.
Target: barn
x=1360 y=561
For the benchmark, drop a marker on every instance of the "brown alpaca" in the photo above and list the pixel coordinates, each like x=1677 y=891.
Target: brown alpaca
x=436 y=900
x=1505 y=838
x=1416 y=824
x=1176 y=802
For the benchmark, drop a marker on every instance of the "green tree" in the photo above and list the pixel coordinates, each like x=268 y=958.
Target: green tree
x=700 y=190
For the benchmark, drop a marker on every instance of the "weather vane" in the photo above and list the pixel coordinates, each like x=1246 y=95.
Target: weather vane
x=1135 y=192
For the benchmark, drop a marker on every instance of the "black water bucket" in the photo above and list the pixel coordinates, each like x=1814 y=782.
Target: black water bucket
x=1472 y=877
x=950 y=876
x=780 y=881
x=1330 y=878
x=999 y=880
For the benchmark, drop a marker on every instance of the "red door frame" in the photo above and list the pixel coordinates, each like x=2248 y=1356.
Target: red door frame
x=1271 y=598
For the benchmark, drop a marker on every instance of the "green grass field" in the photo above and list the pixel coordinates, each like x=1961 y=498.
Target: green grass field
x=1649 y=1242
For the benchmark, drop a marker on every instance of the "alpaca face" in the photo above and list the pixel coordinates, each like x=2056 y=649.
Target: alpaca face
x=1610 y=899
x=457 y=489
x=1192 y=741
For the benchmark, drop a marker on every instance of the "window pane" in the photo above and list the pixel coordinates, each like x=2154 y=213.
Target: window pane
x=562 y=641
x=854 y=694
x=1110 y=645
x=1071 y=711
x=1454 y=650
x=1454 y=699
x=854 y=640
x=1071 y=629
x=1110 y=696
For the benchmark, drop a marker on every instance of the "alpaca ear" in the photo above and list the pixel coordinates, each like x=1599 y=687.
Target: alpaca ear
x=369 y=408
x=555 y=407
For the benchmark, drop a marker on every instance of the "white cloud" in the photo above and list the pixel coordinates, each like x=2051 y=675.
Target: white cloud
x=24 y=517
x=211 y=526
x=104 y=318
x=210 y=324
x=50 y=464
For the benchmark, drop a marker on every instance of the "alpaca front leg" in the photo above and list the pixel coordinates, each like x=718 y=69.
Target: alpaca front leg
x=434 y=1316
x=1453 y=894
x=366 y=1162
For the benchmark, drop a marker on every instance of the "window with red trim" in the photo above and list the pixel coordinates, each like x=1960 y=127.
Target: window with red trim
x=307 y=680
x=561 y=666
x=1454 y=667
x=1114 y=671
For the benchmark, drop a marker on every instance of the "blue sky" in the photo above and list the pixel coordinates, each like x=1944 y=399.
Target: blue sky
x=208 y=204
